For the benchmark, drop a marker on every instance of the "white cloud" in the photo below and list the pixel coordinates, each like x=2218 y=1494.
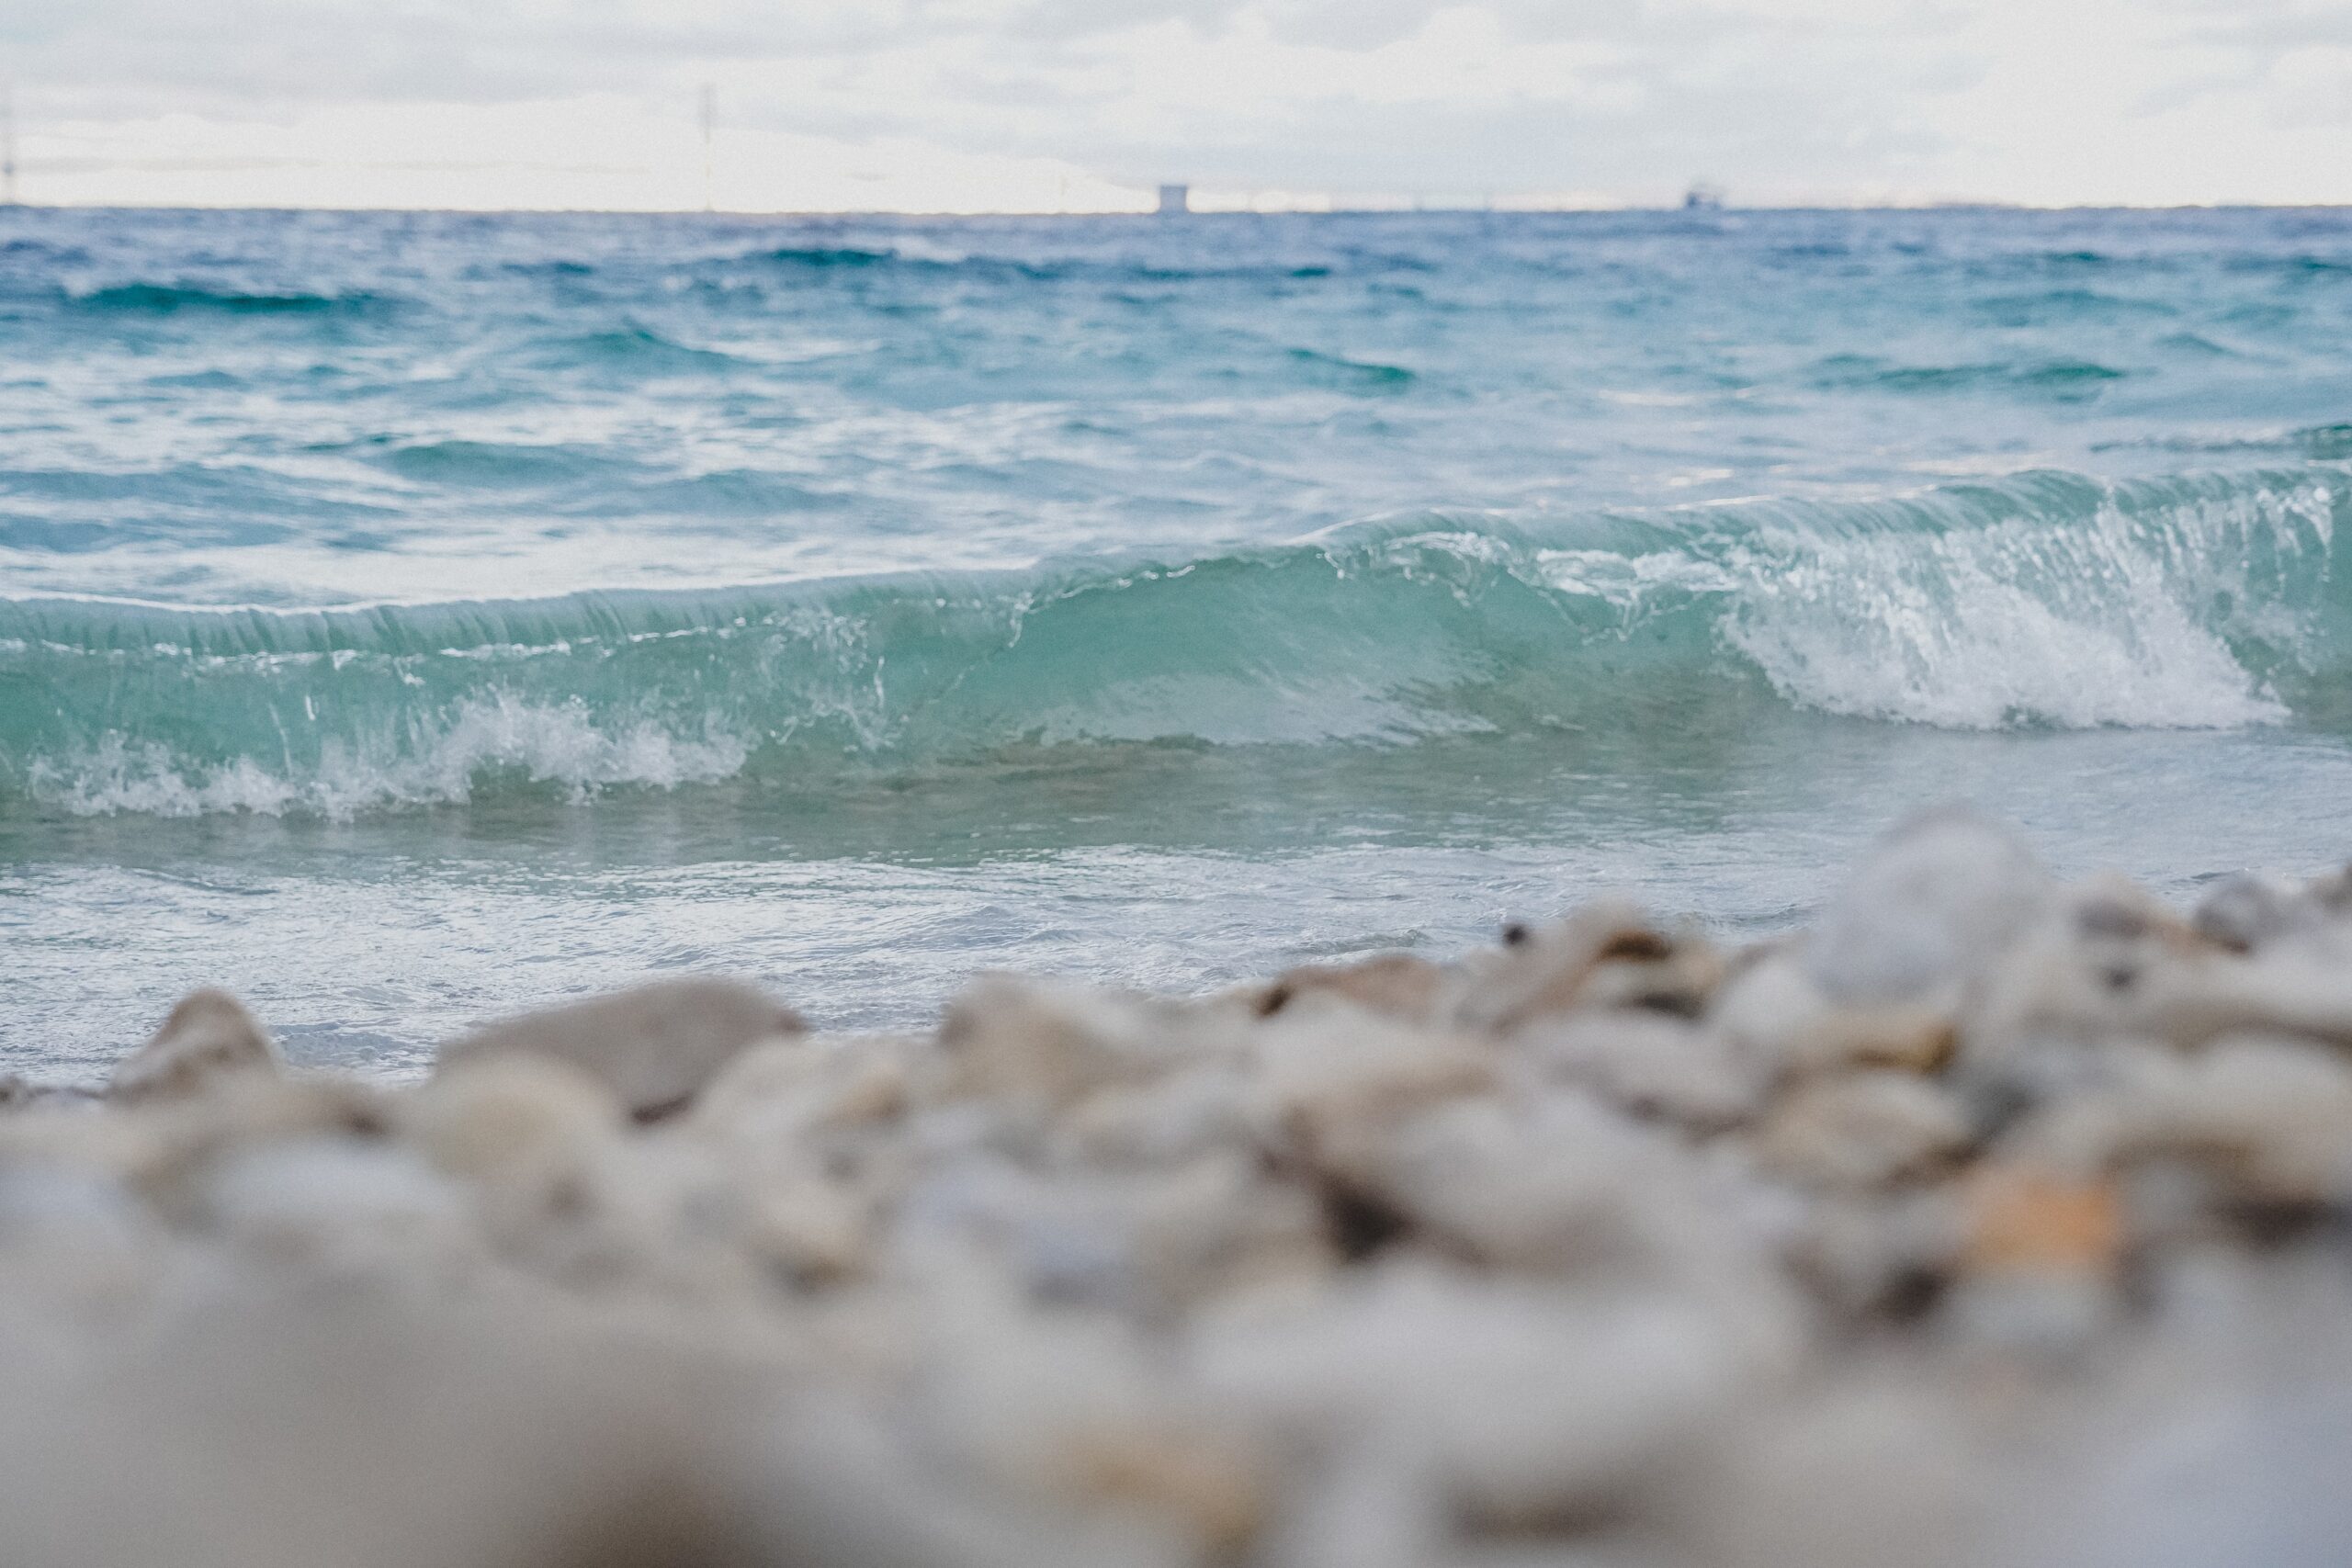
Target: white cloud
x=1082 y=104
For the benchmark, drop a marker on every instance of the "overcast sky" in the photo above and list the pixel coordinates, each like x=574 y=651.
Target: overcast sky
x=1023 y=105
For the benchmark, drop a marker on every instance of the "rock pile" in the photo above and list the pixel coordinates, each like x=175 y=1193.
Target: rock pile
x=1992 y=1220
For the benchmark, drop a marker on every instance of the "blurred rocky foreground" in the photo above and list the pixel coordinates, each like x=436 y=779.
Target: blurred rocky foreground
x=1990 y=1220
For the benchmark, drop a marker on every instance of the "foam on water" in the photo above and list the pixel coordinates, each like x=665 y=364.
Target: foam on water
x=486 y=739
x=2182 y=609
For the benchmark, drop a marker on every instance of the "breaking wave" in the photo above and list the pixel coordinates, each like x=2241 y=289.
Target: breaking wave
x=2045 y=600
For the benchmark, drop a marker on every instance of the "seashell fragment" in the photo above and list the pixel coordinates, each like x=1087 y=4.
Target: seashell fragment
x=2109 y=959
x=2270 y=1118
x=1332 y=1083
x=1402 y=985
x=1606 y=954
x=1863 y=1130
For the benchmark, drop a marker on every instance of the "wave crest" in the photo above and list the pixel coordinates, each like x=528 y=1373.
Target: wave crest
x=2043 y=600
x=480 y=744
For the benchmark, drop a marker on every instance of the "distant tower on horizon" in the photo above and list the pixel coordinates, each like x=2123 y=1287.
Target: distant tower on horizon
x=1175 y=200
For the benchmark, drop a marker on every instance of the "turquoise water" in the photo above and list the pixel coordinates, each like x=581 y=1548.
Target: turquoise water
x=409 y=617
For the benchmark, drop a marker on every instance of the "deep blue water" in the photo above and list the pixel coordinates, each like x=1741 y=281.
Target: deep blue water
x=408 y=618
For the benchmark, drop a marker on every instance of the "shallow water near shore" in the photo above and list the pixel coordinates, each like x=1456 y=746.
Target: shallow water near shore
x=407 y=619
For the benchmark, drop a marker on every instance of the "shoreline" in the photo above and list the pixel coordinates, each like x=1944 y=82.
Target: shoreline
x=1965 y=1216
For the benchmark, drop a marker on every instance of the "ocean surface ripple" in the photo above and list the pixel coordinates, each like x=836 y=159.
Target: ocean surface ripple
x=858 y=601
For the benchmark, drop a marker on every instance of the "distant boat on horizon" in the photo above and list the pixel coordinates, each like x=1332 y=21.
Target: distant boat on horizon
x=1702 y=198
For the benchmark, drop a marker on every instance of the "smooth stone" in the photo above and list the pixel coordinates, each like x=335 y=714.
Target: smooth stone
x=654 y=1046
x=2248 y=911
x=1647 y=1064
x=1776 y=1019
x=208 y=1036
x=1522 y=1404
x=1049 y=1043
x=1932 y=906
x=338 y=1204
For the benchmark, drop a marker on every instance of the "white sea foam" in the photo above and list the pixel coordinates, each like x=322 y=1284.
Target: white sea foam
x=561 y=744
x=2109 y=622
x=2005 y=658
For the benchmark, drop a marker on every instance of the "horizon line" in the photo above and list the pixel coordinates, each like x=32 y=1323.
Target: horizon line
x=1379 y=209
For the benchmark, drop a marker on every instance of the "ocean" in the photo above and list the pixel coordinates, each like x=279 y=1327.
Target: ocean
x=409 y=618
